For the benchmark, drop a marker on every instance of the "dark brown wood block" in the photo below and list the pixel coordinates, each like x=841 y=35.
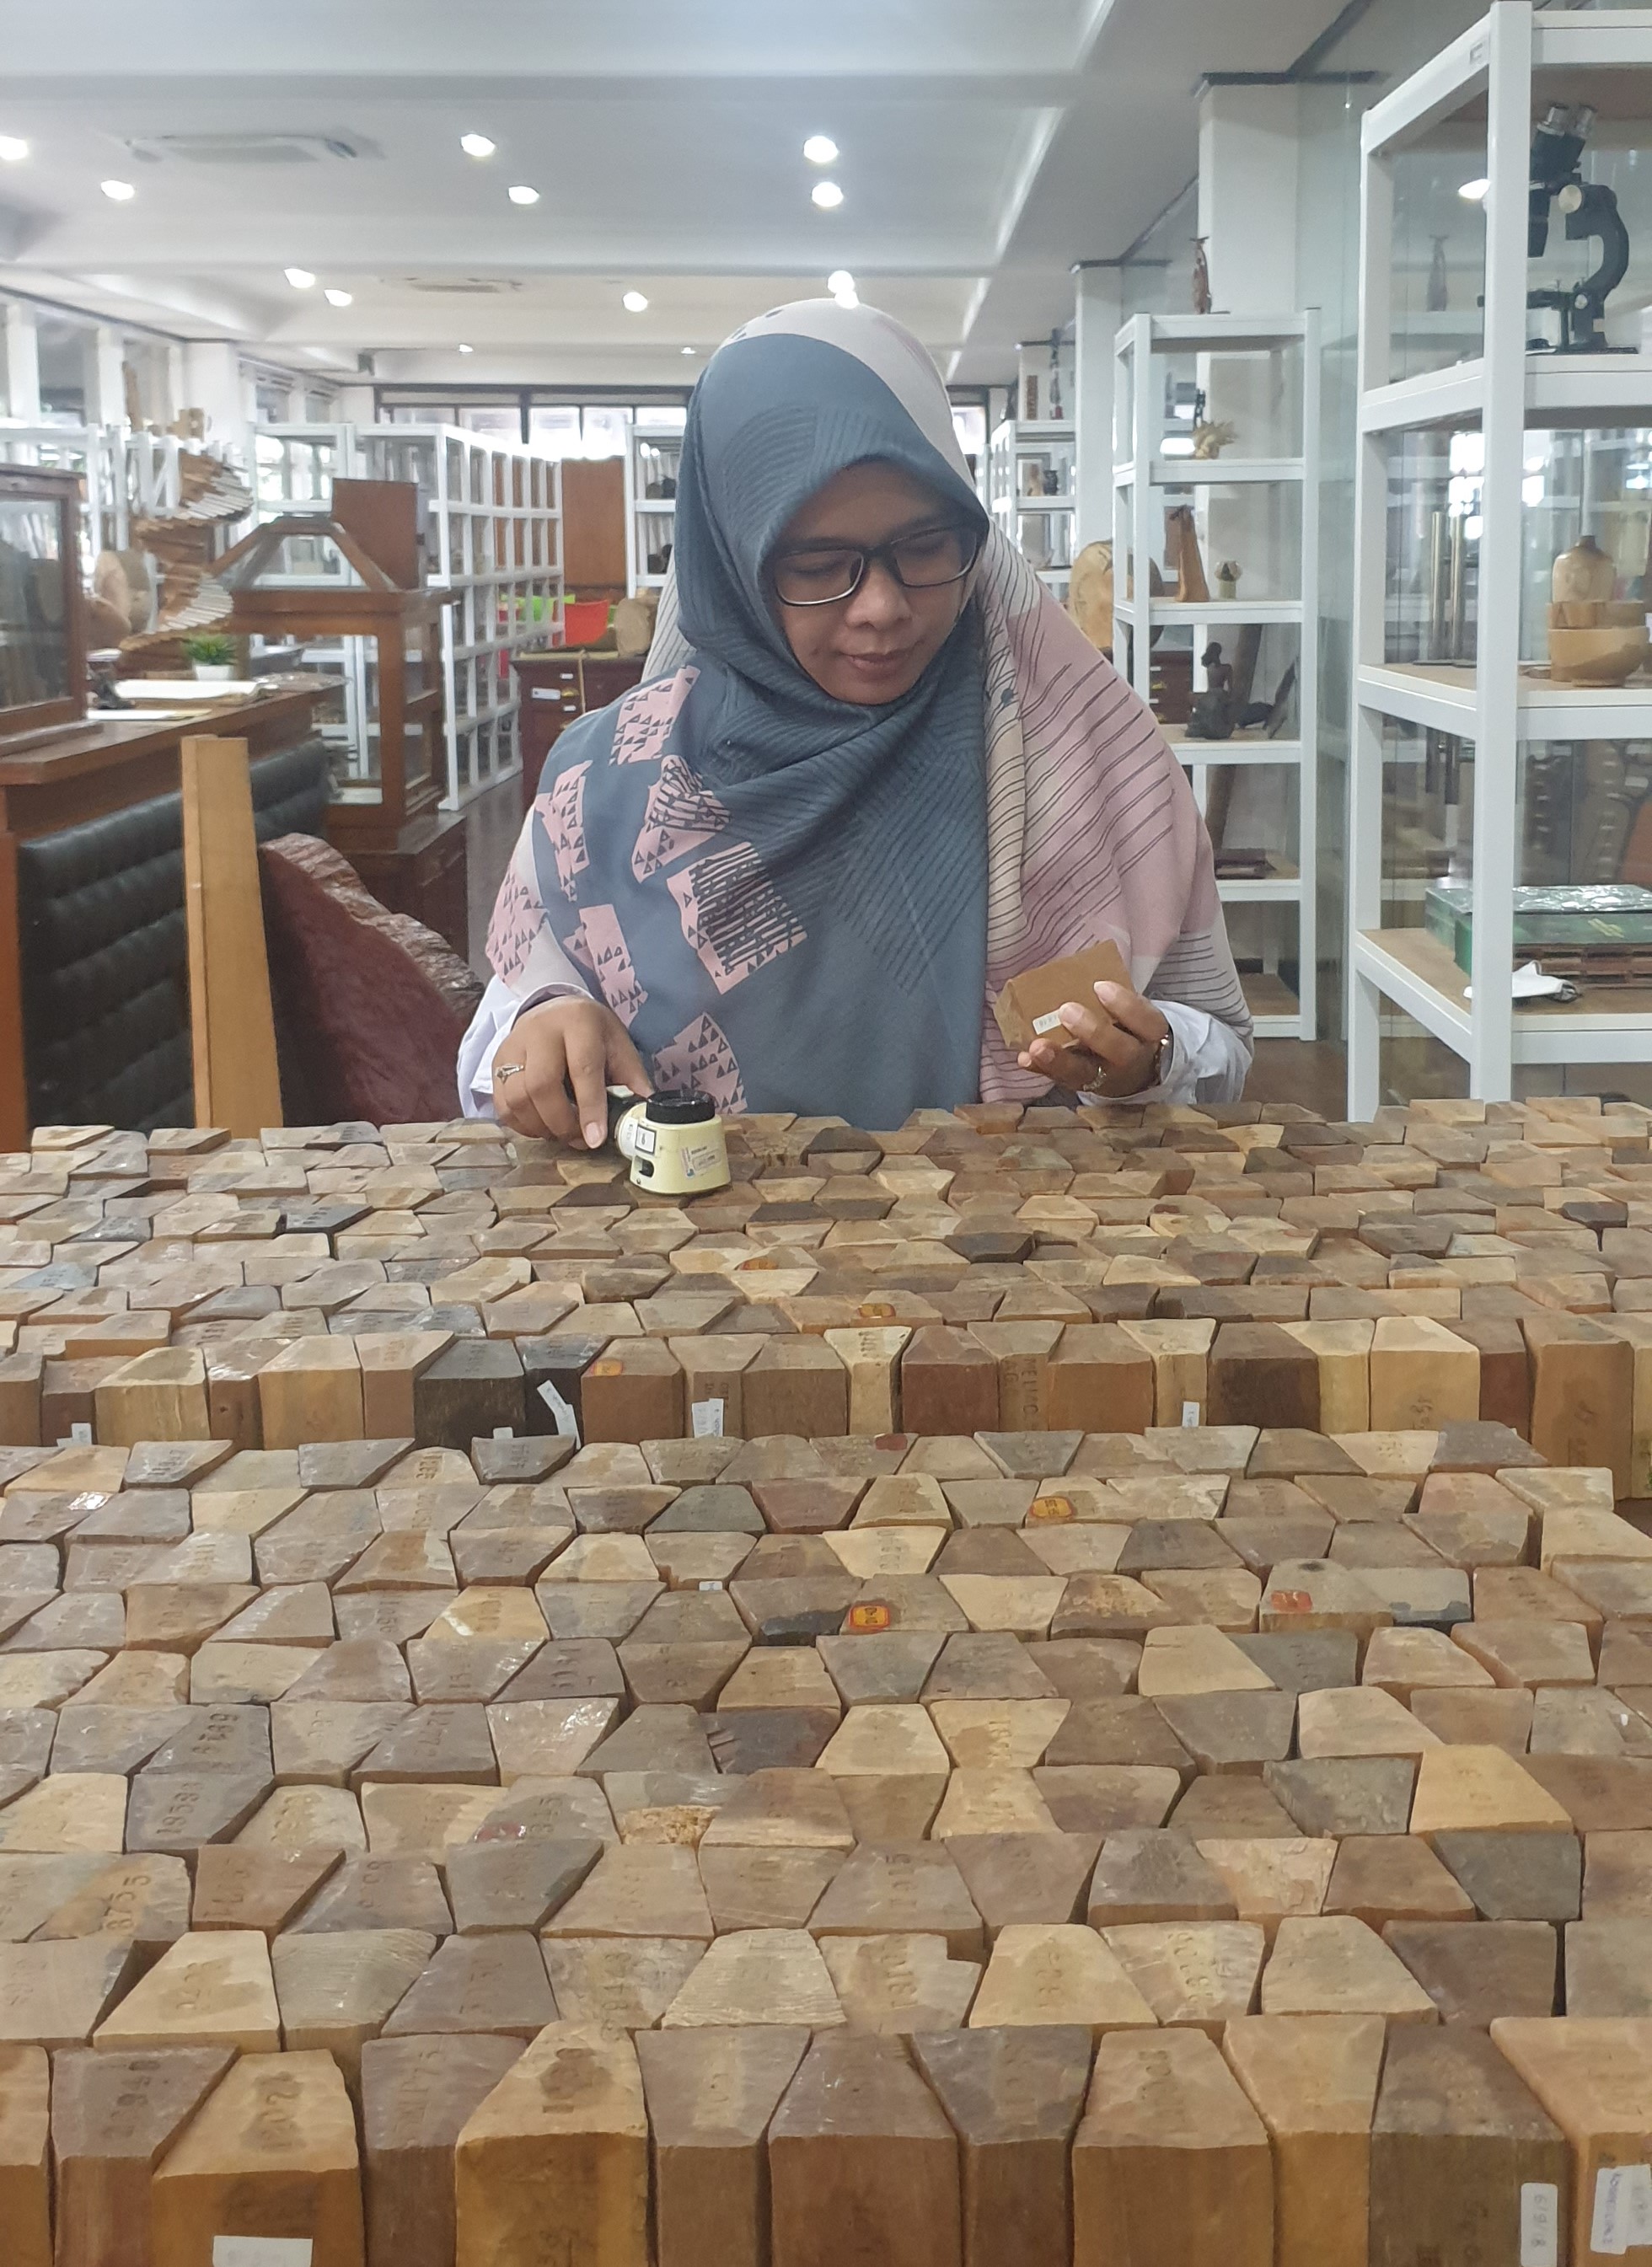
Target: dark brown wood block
x=1014 y=2098
x=634 y=1391
x=949 y=1383
x=796 y=1385
x=864 y=2167
x=475 y=1386
x=1456 y=2140
x=1260 y=1375
x=1477 y=1972
x=1099 y=1380
x=416 y=2094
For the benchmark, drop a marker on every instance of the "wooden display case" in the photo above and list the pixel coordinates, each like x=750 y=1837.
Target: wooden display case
x=42 y=614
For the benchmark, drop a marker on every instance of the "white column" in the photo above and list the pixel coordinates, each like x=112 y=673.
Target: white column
x=1100 y=311
x=212 y=382
x=104 y=379
x=355 y=405
x=1248 y=148
x=22 y=364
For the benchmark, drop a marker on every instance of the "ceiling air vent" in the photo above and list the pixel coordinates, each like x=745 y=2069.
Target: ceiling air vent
x=251 y=148
x=476 y=287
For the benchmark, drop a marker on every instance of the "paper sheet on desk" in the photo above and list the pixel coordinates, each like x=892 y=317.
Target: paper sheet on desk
x=1530 y=983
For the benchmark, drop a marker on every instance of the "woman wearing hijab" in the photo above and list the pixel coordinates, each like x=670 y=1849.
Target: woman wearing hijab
x=875 y=772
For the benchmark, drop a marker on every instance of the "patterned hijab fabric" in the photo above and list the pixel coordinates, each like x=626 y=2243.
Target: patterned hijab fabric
x=798 y=903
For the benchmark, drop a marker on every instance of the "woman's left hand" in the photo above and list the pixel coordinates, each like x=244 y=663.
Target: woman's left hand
x=1112 y=1048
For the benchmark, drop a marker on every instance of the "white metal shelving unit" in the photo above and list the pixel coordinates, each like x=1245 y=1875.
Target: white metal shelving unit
x=1040 y=526
x=96 y=453
x=1146 y=480
x=1506 y=68
x=652 y=458
x=492 y=532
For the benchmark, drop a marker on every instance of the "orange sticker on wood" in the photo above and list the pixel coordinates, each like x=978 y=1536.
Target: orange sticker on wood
x=865 y=1619
x=1291 y=1602
x=875 y=1311
x=753 y=1267
x=1044 y=1507
x=606 y=1368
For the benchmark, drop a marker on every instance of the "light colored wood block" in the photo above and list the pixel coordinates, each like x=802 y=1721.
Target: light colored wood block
x=26 y=2200
x=1358 y=1720
x=1192 y=1974
x=271 y=2154
x=900 y=1982
x=872 y=1359
x=160 y=1395
x=212 y=1988
x=1467 y=1788
x=390 y=1363
x=311 y=1391
x=561 y=2144
x=880 y=1740
x=113 y=2117
x=998 y=1734
x=1171 y=2163
x=1593 y=2074
x=711 y=2095
x=1042 y=1974
x=1312 y=2081
x=1272 y=1878
x=757 y=1975
x=1337 y=1966
x=1195 y=1658
x=237 y=1085
x=1421 y=1376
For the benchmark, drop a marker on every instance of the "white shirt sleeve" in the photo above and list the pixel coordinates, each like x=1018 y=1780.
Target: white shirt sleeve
x=492 y=1022
x=1209 y=1061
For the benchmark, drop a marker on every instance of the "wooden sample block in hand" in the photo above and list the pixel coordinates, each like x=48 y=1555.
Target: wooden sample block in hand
x=1458 y=2145
x=560 y=2145
x=864 y=2167
x=272 y=2153
x=710 y=2096
x=1029 y=1006
x=1014 y=2099
x=114 y=2115
x=1312 y=2080
x=1171 y=2165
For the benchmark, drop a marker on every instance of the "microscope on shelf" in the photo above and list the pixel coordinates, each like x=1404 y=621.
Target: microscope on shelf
x=1591 y=213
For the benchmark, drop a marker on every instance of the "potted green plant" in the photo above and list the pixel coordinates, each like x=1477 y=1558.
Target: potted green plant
x=211 y=658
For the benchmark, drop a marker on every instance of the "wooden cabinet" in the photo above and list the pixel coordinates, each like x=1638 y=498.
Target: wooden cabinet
x=557 y=687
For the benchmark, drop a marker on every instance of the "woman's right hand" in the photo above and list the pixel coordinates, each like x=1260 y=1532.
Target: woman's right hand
x=571 y=1051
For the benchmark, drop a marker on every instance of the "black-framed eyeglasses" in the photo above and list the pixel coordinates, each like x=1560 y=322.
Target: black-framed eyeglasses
x=927 y=561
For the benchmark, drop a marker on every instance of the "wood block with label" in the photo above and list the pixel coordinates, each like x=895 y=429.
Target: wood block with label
x=1014 y=2099
x=272 y=2153
x=1100 y=1380
x=1593 y=2074
x=113 y=2117
x=1029 y=1006
x=1260 y=1375
x=1171 y=2164
x=864 y=2167
x=311 y=1391
x=160 y=1395
x=416 y=2094
x=872 y=1358
x=1180 y=1353
x=1582 y=1393
x=1312 y=2081
x=713 y=1369
x=1458 y=2144
x=560 y=2146
x=1040 y=1973
x=1421 y=1376
x=26 y=2201
x=211 y=1988
x=710 y=2097
x=634 y=1391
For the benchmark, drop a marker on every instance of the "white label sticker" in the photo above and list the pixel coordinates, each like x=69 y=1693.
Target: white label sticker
x=698 y=1158
x=1637 y=2197
x=81 y=1435
x=262 y=2251
x=708 y=1586
x=503 y=1433
x=707 y=1417
x=562 y=1412
x=1190 y=1414
x=1539 y=2224
x=1050 y=1023
x=1608 y=2232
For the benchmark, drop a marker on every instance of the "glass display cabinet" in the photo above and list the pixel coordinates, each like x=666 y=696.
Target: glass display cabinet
x=1215 y=446
x=42 y=617
x=395 y=772
x=1501 y=786
x=653 y=456
x=1032 y=493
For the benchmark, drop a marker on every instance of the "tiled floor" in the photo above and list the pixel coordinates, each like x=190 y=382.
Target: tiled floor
x=1286 y=1070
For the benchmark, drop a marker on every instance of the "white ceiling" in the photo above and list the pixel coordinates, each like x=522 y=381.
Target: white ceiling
x=986 y=146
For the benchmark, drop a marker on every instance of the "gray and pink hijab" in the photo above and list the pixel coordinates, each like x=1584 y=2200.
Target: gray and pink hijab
x=795 y=903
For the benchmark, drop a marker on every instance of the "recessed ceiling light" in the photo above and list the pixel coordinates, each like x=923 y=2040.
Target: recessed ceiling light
x=827 y=195
x=820 y=150
x=477 y=145
x=338 y=298
x=12 y=151
x=688 y=350
x=522 y=195
x=300 y=278
x=122 y=192
x=1474 y=191
x=465 y=350
x=636 y=303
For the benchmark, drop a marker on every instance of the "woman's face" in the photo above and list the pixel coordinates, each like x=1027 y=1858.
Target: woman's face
x=874 y=645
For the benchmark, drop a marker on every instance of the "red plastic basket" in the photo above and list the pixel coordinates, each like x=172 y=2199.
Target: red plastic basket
x=585 y=621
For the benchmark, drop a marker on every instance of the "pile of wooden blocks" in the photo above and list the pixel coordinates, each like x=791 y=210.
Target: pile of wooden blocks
x=1072 y=1686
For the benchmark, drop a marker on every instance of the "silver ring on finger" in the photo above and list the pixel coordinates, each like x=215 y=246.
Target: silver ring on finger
x=508 y=1070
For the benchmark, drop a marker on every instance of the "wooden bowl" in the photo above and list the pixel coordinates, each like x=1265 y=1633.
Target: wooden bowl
x=1610 y=654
